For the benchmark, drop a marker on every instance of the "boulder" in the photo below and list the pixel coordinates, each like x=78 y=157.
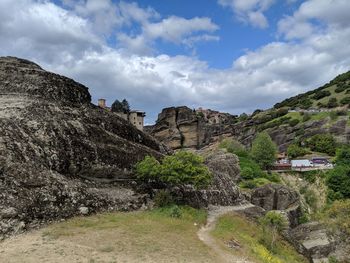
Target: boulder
x=278 y=197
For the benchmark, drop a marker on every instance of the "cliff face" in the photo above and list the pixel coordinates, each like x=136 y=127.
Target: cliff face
x=51 y=137
x=181 y=127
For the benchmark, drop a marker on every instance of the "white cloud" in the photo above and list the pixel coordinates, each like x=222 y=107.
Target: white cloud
x=249 y=11
x=68 y=43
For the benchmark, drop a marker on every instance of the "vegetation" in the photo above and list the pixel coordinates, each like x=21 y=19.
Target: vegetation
x=251 y=173
x=295 y=150
x=324 y=143
x=273 y=223
x=182 y=168
x=250 y=236
x=264 y=150
x=332 y=103
x=163 y=234
x=337 y=216
x=123 y=106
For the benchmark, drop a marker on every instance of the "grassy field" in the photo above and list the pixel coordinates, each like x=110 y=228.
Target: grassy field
x=248 y=235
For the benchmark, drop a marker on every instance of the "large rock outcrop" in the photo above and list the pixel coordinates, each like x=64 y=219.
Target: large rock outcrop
x=223 y=190
x=278 y=197
x=51 y=137
x=181 y=127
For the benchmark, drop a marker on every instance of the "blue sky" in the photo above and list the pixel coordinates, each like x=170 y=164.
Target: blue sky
x=229 y=55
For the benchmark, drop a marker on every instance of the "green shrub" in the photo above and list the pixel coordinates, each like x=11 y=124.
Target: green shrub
x=179 y=169
x=247 y=173
x=324 y=143
x=175 y=212
x=345 y=100
x=338 y=180
x=272 y=177
x=306 y=117
x=311 y=199
x=294 y=151
x=257 y=182
x=233 y=146
x=163 y=198
x=293 y=122
x=321 y=94
x=337 y=216
x=272 y=223
x=343 y=156
x=332 y=103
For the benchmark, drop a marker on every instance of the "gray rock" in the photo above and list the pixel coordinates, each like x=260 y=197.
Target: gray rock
x=83 y=210
x=59 y=152
x=8 y=213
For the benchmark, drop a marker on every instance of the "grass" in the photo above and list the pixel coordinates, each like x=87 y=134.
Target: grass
x=248 y=235
x=139 y=235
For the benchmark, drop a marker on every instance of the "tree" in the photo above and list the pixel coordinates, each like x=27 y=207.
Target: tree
x=117 y=106
x=264 y=150
x=182 y=168
x=295 y=151
x=123 y=106
x=272 y=223
x=343 y=156
x=126 y=106
x=338 y=182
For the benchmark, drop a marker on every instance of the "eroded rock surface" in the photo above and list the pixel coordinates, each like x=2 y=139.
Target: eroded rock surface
x=51 y=137
x=224 y=190
x=181 y=127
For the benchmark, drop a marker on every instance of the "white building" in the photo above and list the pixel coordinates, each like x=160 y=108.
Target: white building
x=301 y=163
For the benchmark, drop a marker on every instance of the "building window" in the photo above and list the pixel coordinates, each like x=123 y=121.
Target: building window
x=139 y=123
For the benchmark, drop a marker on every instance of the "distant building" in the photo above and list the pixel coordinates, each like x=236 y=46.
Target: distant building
x=135 y=117
x=301 y=163
x=319 y=161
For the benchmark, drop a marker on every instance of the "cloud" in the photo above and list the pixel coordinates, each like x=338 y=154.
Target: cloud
x=66 y=41
x=249 y=11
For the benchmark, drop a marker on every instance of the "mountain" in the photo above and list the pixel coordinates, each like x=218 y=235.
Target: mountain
x=52 y=139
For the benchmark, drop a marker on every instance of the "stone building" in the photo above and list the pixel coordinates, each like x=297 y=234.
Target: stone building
x=135 y=117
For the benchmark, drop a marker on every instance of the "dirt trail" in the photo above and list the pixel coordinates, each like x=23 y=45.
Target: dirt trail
x=204 y=232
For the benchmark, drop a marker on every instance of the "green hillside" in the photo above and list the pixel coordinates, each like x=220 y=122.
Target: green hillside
x=331 y=95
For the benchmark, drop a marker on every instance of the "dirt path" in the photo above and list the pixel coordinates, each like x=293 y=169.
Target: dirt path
x=204 y=233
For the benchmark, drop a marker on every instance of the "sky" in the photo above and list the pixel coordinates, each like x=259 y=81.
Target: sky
x=229 y=55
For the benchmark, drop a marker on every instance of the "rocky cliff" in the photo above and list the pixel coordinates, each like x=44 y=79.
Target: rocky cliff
x=181 y=127
x=51 y=137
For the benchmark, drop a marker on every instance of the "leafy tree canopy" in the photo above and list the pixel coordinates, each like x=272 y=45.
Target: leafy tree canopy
x=182 y=168
x=122 y=106
x=264 y=150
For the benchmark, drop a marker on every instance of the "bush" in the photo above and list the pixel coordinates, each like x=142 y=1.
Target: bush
x=306 y=117
x=264 y=150
x=321 y=94
x=175 y=212
x=337 y=216
x=294 y=151
x=182 y=168
x=332 y=103
x=343 y=156
x=293 y=122
x=163 y=198
x=247 y=173
x=324 y=143
x=338 y=181
x=233 y=146
x=272 y=223
x=345 y=101
x=257 y=182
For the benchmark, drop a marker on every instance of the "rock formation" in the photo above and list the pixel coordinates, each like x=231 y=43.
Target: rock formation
x=181 y=127
x=223 y=189
x=278 y=197
x=51 y=137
